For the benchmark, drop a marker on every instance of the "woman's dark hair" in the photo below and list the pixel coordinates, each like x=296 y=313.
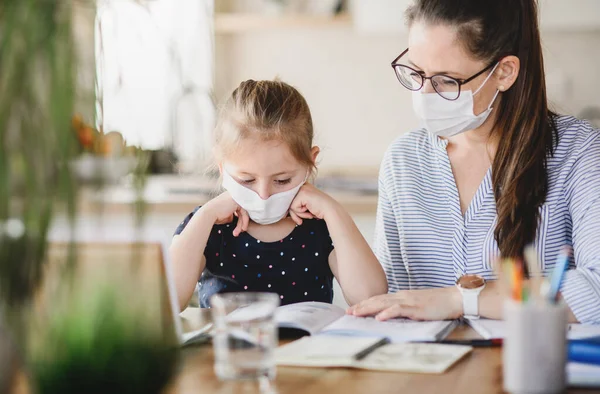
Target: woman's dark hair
x=525 y=127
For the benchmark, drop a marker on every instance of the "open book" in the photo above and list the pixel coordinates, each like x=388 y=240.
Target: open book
x=319 y=318
x=322 y=351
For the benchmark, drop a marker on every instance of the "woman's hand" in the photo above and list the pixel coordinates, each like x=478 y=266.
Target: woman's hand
x=223 y=208
x=428 y=304
x=310 y=203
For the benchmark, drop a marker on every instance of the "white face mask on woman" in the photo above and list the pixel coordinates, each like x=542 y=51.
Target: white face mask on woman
x=446 y=118
x=268 y=211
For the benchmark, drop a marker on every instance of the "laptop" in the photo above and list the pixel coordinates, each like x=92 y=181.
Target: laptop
x=141 y=270
x=191 y=325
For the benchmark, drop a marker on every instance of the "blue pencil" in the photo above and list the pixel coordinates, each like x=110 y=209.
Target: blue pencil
x=562 y=263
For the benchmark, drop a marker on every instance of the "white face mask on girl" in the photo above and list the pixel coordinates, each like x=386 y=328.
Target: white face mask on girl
x=268 y=211
x=446 y=118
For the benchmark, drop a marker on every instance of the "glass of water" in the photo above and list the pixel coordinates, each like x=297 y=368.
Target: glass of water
x=245 y=335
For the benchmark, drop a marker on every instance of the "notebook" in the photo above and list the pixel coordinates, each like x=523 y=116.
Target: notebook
x=314 y=318
x=339 y=351
x=585 y=350
x=494 y=329
x=583 y=375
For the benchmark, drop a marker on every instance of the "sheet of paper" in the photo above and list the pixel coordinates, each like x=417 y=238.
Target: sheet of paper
x=398 y=330
x=322 y=351
x=414 y=357
x=489 y=329
x=308 y=316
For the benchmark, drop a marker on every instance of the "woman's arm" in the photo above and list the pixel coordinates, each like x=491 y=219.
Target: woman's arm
x=434 y=304
x=581 y=286
x=352 y=262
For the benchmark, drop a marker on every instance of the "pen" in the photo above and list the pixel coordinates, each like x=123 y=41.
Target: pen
x=474 y=342
x=364 y=353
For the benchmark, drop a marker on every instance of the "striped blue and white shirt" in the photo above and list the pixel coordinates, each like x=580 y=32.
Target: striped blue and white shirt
x=423 y=240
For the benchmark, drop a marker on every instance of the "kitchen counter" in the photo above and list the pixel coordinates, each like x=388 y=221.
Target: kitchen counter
x=179 y=194
x=107 y=215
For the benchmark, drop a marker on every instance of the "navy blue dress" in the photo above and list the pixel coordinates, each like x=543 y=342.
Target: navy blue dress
x=295 y=267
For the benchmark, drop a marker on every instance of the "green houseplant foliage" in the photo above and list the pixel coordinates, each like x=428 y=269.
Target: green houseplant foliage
x=36 y=143
x=80 y=352
x=36 y=104
x=101 y=344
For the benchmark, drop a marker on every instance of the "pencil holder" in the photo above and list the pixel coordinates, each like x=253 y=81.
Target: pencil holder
x=535 y=348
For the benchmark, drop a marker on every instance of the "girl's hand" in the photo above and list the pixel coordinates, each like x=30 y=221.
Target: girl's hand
x=428 y=304
x=223 y=208
x=310 y=203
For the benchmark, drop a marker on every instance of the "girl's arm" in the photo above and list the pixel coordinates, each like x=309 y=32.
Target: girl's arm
x=187 y=248
x=352 y=262
x=187 y=254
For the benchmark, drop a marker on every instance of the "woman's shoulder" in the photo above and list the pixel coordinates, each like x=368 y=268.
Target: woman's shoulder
x=407 y=142
x=409 y=149
x=575 y=137
x=576 y=155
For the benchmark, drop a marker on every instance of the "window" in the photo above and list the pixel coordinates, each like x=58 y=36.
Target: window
x=154 y=63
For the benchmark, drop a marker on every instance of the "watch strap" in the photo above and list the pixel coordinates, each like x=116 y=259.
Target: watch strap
x=471 y=303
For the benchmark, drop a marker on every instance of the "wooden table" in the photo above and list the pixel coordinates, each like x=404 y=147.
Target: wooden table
x=480 y=372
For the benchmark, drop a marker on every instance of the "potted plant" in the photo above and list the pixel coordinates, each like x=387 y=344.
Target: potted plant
x=96 y=343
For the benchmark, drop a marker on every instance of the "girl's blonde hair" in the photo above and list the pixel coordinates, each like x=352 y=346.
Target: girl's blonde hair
x=266 y=110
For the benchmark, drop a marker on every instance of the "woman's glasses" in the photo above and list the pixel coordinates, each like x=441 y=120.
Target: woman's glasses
x=445 y=86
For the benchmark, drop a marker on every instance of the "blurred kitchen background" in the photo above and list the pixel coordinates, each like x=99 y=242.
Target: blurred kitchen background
x=156 y=71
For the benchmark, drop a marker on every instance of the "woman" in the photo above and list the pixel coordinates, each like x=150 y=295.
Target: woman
x=492 y=170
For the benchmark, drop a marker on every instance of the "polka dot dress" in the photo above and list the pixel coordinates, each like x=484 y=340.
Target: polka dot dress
x=296 y=267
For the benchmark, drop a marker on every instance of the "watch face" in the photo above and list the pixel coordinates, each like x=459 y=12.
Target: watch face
x=470 y=281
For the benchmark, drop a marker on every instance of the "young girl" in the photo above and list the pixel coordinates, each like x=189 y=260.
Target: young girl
x=271 y=230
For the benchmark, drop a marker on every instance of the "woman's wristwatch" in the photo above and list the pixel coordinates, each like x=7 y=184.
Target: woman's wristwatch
x=470 y=286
